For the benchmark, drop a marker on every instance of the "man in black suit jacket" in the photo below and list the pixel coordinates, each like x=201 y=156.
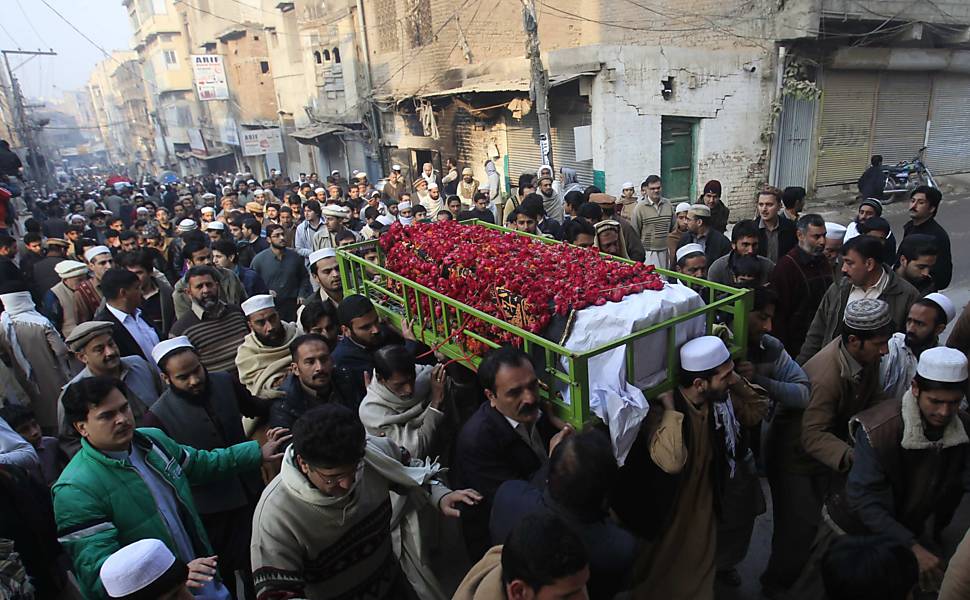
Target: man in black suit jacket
x=507 y=438
x=122 y=297
x=776 y=233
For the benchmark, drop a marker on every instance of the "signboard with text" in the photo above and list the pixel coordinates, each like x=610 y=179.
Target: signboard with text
x=210 y=77
x=257 y=142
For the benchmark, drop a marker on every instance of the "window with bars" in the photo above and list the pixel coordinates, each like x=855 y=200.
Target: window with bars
x=387 y=33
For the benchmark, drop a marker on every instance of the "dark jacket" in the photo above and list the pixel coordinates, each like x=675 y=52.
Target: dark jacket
x=827 y=323
x=249 y=249
x=872 y=183
x=800 y=280
x=296 y=401
x=898 y=479
x=126 y=344
x=787 y=238
x=612 y=550
x=942 y=271
x=489 y=453
x=252 y=282
x=715 y=246
x=351 y=361
x=207 y=424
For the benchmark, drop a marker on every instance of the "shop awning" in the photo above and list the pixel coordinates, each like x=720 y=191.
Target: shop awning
x=310 y=134
x=511 y=85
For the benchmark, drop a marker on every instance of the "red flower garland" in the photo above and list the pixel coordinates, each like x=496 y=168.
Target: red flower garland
x=470 y=264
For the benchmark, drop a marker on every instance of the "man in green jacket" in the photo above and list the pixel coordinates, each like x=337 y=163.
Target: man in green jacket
x=127 y=484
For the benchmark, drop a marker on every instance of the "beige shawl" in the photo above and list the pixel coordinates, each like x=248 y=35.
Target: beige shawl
x=408 y=423
x=262 y=368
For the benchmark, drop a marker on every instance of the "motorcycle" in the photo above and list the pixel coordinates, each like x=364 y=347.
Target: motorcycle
x=905 y=176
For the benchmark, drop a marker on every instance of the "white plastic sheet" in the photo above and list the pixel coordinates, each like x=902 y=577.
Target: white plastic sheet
x=613 y=399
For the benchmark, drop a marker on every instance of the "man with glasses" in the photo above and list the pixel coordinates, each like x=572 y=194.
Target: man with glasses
x=322 y=529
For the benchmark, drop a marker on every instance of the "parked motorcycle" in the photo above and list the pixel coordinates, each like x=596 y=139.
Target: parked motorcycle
x=905 y=176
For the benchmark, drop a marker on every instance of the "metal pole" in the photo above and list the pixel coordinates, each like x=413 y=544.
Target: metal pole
x=539 y=86
x=24 y=131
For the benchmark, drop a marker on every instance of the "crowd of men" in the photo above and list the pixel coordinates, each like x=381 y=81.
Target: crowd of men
x=193 y=406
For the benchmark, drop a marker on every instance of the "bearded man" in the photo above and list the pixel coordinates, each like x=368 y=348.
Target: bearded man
x=264 y=357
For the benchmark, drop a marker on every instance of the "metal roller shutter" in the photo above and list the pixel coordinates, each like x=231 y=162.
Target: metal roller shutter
x=522 y=137
x=791 y=165
x=564 y=145
x=464 y=130
x=845 y=128
x=901 y=110
x=949 y=140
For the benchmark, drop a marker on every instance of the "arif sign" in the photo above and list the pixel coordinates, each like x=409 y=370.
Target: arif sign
x=256 y=142
x=210 y=77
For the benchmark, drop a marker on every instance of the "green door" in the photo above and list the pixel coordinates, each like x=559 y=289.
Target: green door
x=677 y=159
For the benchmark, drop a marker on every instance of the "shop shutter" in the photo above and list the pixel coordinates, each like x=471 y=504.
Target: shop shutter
x=900 y=125
x=948 y=147
x=845 y=127
x=464 y=130
x=522 y=138
x=564 y=145
x=794 y=142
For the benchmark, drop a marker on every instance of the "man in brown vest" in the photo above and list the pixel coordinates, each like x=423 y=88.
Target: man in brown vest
x=911 y=460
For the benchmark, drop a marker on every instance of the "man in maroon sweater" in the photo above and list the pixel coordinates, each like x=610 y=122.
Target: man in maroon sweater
x=800 y=279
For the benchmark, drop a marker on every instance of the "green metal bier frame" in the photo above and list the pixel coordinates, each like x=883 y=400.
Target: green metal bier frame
x=358 y=277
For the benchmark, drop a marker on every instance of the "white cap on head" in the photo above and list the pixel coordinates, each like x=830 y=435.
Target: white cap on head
x=688 y=249
x=209 y=196
x=250 y=181
x=946 y=365
x=396 y=167
x=703 y=354
x=339 y=212
x=70 y=268
x=259 y=192
x=135 y=567
x=627 y=185
x=217 y=225
x=257 y=303
x=834 y=231
x=208 y=209
x=187 y=225
x=682 y=207
x=319 y=190
x=92 y=252
x=385 y=219
x=360 y=175
x=335 y=172
x=943 y=302
x=321 y=254
x=404 y=206
x=165 y=347
x=432 y=186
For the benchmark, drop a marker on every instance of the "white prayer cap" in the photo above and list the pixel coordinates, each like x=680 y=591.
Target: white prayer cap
x=208 y=209
x=688 y=249
x=834 y=231
x=385 y=219
x=217 y=225
x=339 y=212
x=142 y=209
x=944 y=303
x=946 y=365
x=628 y=185
x=360 y=175
x=396 y=167
x=335 y=172
x=209 y=196
x=92 y=252
x=143 y=569
x=70 y=268
x=683 y=207
x=250 y=181
x=164 y=348
x=257 y=303
x=432 y=186
x=703 y=354
x=404 y=206
x=187 y=225
x=321 y=254
x=319 y=190
x=259 y=192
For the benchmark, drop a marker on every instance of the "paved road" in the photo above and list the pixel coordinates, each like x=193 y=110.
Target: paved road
x=954 y=215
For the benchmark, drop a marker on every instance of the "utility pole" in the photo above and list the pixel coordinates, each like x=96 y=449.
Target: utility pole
x=539 y=85
x=24 y=128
